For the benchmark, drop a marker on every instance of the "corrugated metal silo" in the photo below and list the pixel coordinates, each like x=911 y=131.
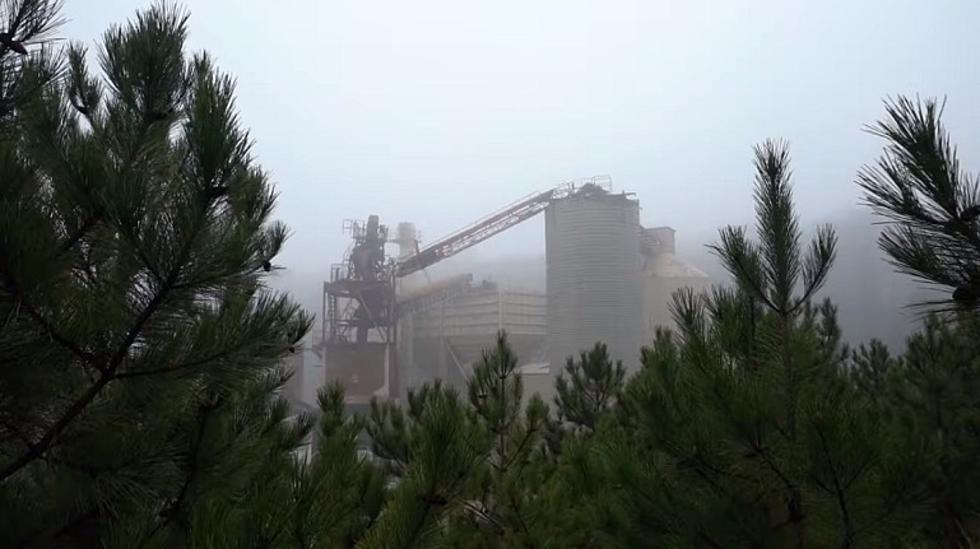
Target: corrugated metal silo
x=594 y=276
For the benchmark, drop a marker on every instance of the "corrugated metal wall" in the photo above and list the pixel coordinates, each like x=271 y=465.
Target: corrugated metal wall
x=594 y=277
x=482 y=312
x=448 y=338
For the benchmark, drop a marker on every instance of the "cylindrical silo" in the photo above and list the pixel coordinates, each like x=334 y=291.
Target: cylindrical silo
x=594 y=276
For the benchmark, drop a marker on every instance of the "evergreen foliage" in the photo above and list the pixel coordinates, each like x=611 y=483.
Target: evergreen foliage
x=500 y=511
x=588 y=387
x=933 y=397
x=138 y=344
x=933 y=205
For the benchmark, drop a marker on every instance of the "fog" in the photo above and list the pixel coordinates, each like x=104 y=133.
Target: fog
x=438 y=112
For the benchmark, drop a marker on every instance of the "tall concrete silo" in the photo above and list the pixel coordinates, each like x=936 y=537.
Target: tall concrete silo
x=594 y=276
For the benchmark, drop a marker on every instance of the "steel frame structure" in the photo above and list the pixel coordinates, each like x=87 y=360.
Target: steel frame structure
x=359 y=303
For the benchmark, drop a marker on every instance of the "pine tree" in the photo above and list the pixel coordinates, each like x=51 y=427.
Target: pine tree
x=139 y=345
x=742 y=429
x=932 y=204
x=933 y=397
x=588 y=387
x=506 y=495
x=871 y=365
x=506 y=491
x=328 y=500
x=930 y=393
x=432 y=452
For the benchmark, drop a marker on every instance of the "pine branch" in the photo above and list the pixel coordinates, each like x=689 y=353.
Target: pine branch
x=38 y=449
x=485 y=515
x=518 y=512
x=27 y=21
x=169 y=513
x=917 y=184
x=777 y=224
x=838 y=492
x=517 y=454
x=817 y=265
x=734 y=251
x=108 y=372
x=11 y=286
x=794 y=505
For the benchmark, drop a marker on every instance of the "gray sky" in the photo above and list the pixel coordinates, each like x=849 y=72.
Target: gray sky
x=441 y=111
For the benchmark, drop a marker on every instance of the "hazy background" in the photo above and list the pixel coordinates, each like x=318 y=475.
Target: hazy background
x=439 y=111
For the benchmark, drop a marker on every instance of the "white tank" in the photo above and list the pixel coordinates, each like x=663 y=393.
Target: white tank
x=594 y=265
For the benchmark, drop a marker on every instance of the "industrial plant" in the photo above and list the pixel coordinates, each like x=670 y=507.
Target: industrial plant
x=387 y=324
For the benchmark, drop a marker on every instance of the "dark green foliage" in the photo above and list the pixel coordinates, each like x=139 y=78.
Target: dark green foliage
x=934 y=394
x=775 y=268
x=443 y=450
x=588 y=387
x=500 y=511
x=139 y=347
x=872 y=365
x=26 y=63
x=333 y=496
x=933 y=205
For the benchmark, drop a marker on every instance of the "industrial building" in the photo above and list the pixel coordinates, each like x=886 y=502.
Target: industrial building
x=386 y=328
x=449 y=337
